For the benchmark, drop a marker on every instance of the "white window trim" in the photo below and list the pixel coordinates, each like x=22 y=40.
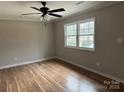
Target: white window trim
x=77 y=47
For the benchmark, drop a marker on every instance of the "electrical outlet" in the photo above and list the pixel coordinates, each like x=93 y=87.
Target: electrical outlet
x=119 y=40
x=98 y=64
x=16 y=58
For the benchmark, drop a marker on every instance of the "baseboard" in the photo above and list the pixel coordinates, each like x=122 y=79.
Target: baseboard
x=24 y=63
x=92 y=70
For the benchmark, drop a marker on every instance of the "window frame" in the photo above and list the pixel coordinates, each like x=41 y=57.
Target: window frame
x=77 y=37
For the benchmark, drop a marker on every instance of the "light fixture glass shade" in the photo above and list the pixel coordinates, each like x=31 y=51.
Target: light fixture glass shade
x=45 y=18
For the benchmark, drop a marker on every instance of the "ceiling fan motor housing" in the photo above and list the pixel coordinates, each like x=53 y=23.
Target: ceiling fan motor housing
x=44 y=10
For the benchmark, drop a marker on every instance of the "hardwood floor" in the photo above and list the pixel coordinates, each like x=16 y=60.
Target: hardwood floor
x=53 y=75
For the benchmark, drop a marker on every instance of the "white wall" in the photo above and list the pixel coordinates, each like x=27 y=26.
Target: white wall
x=27 y=41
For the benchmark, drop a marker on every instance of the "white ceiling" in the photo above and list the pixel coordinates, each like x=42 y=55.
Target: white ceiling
x=12 y=10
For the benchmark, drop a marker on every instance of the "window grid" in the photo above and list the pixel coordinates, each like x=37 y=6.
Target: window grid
x=86 y=32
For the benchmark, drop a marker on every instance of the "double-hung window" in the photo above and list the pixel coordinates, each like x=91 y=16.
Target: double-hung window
x=80 y=35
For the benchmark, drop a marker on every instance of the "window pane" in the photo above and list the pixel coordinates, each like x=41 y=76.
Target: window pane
x=92 y=24
x=86 y=28
x=86 y=25
x=82 y=26
x=71 y=41
x=83 y=41
x=83 y=32
x=86 y=41
x=71 y=30
x=91 y=41
x=91 y=27
x=91 y=30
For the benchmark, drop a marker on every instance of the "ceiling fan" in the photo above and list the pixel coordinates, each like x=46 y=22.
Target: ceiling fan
x=43 y=11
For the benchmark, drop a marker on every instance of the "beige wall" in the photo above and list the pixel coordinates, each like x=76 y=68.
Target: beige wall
x=109 y=27
x=27 y=41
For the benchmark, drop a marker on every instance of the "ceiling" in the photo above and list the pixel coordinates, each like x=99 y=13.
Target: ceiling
x=12 y=10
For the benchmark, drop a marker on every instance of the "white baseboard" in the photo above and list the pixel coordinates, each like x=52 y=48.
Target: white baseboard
x=24 y=63
x=92 y=70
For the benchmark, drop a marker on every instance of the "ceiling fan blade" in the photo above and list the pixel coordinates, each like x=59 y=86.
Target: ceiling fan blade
x=57 y=10
x=55 y=15
x=36 y=9
x=30 y=13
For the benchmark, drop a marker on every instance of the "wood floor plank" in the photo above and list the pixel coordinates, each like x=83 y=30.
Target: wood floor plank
x=45 y=81
x=53 y=76
x=3 y=84
x=10 y=80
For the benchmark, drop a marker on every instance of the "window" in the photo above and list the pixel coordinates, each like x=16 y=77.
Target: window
x=80 y=34
x=71 y=35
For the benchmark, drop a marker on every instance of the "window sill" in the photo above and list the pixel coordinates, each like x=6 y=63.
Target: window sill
x=85 y=49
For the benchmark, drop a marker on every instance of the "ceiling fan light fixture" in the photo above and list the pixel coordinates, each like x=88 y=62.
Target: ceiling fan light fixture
x=45 y=18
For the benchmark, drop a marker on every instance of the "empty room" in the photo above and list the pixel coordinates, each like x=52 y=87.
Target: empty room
x=61 y=46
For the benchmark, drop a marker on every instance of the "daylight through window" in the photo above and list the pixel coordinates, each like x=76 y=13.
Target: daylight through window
x=80 y=34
